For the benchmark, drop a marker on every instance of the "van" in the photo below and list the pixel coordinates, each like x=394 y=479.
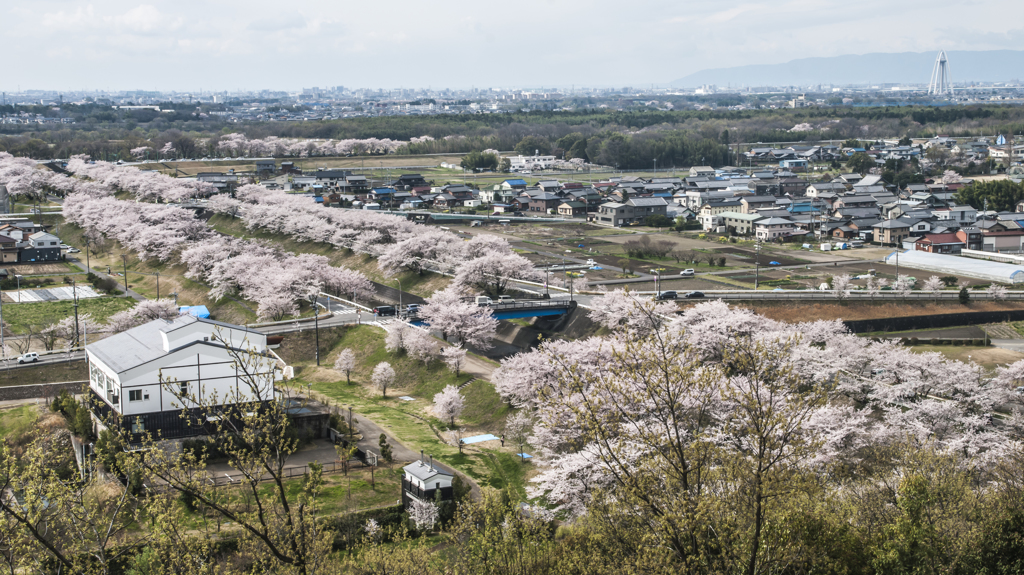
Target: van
x=503 y=299
x=482 y=300
x=384 y=310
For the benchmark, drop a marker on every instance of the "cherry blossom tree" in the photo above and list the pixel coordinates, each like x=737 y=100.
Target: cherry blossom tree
x=448 y=404
x=383 y=377
x=394 y=341
x=421 y=345
x=345 y=363
x=933 y=285
x=518 y=428
x=453 y=357
x=492 y=272
x=875 y=284
x=841 y=287
x=996 y=291
x=623 y=309
x=461 y=320
x=424 y=514
x=902 y=285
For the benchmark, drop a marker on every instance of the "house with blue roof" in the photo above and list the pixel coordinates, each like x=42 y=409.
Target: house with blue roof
x=513 y=184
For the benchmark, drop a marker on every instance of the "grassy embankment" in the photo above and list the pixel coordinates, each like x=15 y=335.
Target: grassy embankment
x=142 y=279
x=46 y=373
x=411 y=422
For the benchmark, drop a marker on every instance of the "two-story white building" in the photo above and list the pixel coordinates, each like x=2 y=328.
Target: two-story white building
x=144 y=378
x=422 y=480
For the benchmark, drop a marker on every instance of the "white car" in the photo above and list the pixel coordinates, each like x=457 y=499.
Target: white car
x=30 y=357
x=687 y=273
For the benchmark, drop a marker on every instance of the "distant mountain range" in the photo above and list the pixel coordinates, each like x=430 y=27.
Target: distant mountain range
x=898 y=68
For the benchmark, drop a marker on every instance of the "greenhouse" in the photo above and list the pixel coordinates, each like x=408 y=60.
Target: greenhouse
x=956 y=265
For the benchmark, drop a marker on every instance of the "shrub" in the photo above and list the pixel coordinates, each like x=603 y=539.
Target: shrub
x=934 y=341
x=965 y=296
x=914 y=341
x=950 y=281
x=958 y=342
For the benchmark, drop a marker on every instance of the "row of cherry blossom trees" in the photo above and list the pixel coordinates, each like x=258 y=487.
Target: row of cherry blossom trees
x=677 y=422
x=484 y=263
x=273 y=279
x=236 y=144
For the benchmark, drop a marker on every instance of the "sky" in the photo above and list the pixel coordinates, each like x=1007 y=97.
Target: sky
x=193 y=45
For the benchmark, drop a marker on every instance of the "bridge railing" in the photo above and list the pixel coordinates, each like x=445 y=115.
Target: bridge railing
x=530 y=304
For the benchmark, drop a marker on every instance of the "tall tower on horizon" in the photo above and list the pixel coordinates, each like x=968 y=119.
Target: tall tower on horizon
x=940 y=84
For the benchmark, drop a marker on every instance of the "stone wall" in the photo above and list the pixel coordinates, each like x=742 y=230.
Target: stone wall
x=11 y=392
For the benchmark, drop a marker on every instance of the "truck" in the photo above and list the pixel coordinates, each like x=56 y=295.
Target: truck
x=483 y=301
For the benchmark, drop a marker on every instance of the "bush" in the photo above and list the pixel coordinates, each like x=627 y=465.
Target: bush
x=958 y=342
x=965 y=296
x=934 y=341
x=914 y=341
x=949 y=281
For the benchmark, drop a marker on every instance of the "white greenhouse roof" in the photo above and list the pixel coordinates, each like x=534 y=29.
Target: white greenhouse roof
x=956 y=265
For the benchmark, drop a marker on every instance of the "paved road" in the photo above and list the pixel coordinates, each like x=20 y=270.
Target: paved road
x=48 y=359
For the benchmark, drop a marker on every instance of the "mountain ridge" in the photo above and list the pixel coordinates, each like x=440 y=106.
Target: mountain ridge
x=872 y=68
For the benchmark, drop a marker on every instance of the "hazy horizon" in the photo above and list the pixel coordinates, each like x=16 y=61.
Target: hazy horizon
x=231 y=45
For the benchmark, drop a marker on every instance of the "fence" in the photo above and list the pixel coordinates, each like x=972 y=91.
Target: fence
x=814 y=295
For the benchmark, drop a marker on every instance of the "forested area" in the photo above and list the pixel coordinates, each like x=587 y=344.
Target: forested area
x=626 y=139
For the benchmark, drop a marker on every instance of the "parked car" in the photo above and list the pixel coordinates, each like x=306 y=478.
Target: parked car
x=73 y=250
x=384 y=310
x=482 y=300
x=687 y=273
x=65 y=247
x=694 y=294
x=505 y=299
x=30 y=357
x=666 y=295
x=412 y=309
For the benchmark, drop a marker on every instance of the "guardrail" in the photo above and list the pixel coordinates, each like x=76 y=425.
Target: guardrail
x=540 y=303
x=829 y=296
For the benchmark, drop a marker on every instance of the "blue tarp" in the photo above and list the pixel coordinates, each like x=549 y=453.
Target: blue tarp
x=525 y=455
x=195 y=311
x=478 y=438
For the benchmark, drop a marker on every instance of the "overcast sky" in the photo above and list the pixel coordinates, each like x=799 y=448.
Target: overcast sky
x=188 y=45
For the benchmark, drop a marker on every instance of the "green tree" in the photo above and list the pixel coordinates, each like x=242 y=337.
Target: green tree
x=533 y=145
x=1002 y=195
x=860 y=163
x=964 y=296
x=479 y=161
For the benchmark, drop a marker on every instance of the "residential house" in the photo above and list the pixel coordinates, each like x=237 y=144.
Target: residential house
x=632 y=211
x=815 y=190
x=42 y=247
x=1008 y=241
x=731 y=222
x=515 y=184
x=707 y=171
x=330 y=179
x=891 y=232
x=550 y=186
x=8 y=250
x=425 y=482
x=407 y=182
x=572 y=209
x=772 y=229
x=265 y=168
x=544 y=201
x=161 y=376
x=646 y=207
x=939 y=243
x=971 y=237
x=223 y=182
x=446 y=201
x=752 y=204
x=713 y=208
x=498 y=194
x=963 y=215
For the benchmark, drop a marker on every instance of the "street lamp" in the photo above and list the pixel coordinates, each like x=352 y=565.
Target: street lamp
x=399 y=294
x=657 y=278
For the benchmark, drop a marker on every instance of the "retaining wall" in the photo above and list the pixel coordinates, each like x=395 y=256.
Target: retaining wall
x=11 y=392
x=932 y=321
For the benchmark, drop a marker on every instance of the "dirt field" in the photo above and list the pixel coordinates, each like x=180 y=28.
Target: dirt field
x=988 y=357
x=797 y=312
x=30 y=269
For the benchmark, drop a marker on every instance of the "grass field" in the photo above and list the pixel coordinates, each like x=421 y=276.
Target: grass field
x=15 y=421
x=47 y=373
x=411 y=422
x=19 y=317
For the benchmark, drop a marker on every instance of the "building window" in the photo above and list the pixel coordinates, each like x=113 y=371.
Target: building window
x=135 y=395
x=138 y=426
x=184 y=388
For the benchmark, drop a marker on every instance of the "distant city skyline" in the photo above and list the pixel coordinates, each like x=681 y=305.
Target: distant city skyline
x=193 y=45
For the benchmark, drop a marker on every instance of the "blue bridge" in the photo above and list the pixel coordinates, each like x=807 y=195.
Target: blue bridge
x=532 y=308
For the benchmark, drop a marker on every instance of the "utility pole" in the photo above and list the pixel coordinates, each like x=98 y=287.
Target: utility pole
x=88 y=268
x=124 y=259
x=313 y=296
x=757 y=262
x=74 y=295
